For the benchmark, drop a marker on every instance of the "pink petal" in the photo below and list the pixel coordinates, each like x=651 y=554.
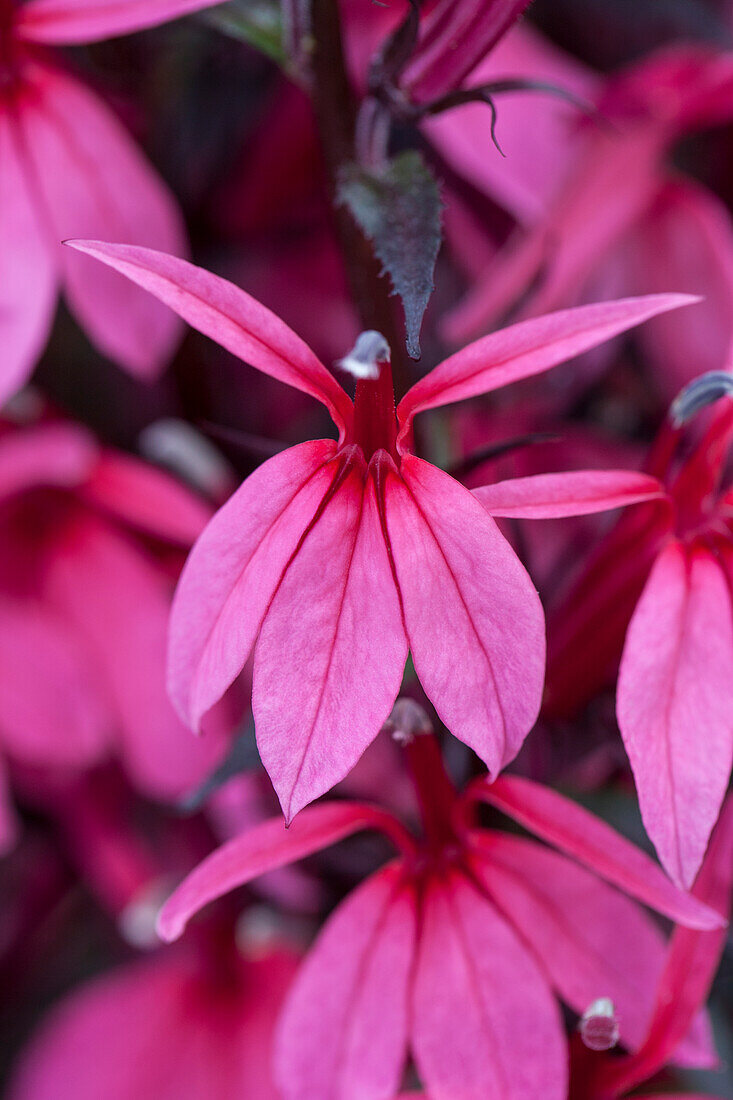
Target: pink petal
x=591 y=940
x=228 y=315
x=332 y=649
x=484 y=1020
x=262 y=849
x=119 y=601
x=692 y=961
x=60 y=455
x=577 y=493
x=75 y=22
x=146 y=498
x=343 y=1032
x=52 y=711
x=473 y=617
x=580 y=834
x=675 y=704
x=93 y=180
x=235 y=568
x=527 y=349
x=28 y=276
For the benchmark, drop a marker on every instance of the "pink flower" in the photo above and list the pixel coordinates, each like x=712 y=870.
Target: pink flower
x=67 y=167
x=334 y=558
x=668 y=568
x=455 y=948
x=91 y=542
x=692 y=959
x=181 y=1025
x=606 y=210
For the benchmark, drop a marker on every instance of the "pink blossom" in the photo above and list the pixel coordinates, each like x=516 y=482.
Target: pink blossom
x=665 y=572
x=334 y=558
x=91 y=542
x=455 y=948
x=68 y=167
x=196 y=1021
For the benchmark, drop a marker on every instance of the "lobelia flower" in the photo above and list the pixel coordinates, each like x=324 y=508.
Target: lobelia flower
x=334 y=557
x=453 y=949
x=91 y=542
x=67 y=166
x=608 y=212
x=666 y=574
x=692 y=959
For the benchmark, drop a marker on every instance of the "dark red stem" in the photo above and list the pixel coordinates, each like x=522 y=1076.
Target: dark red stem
x=436 y=794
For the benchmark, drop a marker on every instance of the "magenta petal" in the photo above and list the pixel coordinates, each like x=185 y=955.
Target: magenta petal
x=262 y=849
x=591 y=939
x=529 y=348
x=62 y=455
x=228 y=315
x=94 y=181
x=343 y=1032
x=473 y=617
x=52 y=711
x=74 y=22
x=576 y=493
x=675 y=703
x=146 y=498
x=485 y=1023
x=332 y=649
x=28 y=273
x=233 y=571
x=580 y=834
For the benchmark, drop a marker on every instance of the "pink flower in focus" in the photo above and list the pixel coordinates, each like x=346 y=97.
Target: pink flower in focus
x=665 y=572
x=185 y=1024
x=334 y=558
x=455 y=948
x=67 y=167
x=91 y=543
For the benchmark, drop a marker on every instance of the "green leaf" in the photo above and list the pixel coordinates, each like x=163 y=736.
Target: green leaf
x=399 y=208
x=256 y=22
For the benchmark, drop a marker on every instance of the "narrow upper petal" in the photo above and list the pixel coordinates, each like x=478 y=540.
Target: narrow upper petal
x=485 y=1023
x=74 y=22
x=61 y=455
x=228 y=315
x=94 y=182
x=580 y=834
x=332 y=648
x=474 y=620
x=675 y=703
x=261 y=849
x=28 y=271
x=234 y=570
x=692 y=961
x=591 y=939
x=146 y=498
x=527 y=349
x=576 y=493
x=343 y=1032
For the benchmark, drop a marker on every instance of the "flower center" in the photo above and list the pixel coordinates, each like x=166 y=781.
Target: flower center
x=375 y=423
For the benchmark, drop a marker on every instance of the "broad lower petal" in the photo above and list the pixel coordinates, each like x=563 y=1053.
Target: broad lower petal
x=332 y=649
x=484 y=1020
x=527 y=349
x=576 y=493
x=28 y=271
x=95 y=182
x=233 y=571
x=578 y=833
x=344 y=1029
x=474 y=620
x=675 y=703
x=75 y=22
x=591 y=939
x=230 y=316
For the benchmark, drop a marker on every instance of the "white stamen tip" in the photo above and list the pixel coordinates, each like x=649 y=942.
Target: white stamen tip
x=407 y=721
x=599 y=1026
x=368 y=352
